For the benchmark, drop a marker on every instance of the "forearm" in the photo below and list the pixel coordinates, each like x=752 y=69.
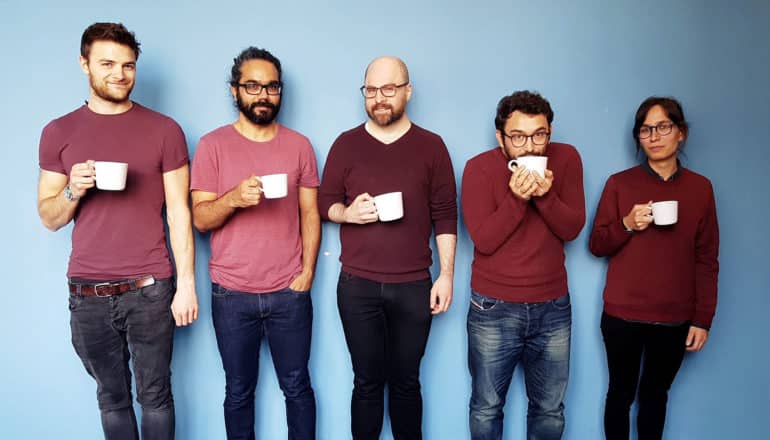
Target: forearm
x=56 y=211
x=209 y=215
x=182 y=245
x=447 y=246
x=310 y=227
x=564 y=219
x=490 y=228
x=337 y=213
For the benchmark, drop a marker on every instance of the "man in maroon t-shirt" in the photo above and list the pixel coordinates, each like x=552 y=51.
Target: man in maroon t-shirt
x=385 y=294
x=123 y=301
x=518 y=221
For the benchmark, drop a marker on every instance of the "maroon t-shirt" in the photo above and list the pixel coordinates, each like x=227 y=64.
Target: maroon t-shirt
x=418 y=165
x=117 y=234
x=518 y=252
x=664 y=273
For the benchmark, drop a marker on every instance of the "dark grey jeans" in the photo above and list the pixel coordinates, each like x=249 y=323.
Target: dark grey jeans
x=106 y=333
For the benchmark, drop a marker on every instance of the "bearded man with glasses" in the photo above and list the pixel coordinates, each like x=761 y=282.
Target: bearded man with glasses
x=520 y=307
x=385 y=294
x=263 y=245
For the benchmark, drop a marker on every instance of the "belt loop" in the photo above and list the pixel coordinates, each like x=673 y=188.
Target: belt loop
x=79 y=287
x=132 y=285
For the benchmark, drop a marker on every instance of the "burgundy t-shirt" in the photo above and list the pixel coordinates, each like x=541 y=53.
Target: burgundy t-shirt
x=117 y=234
x=664 y=273
x=418 y=165
x=518 y=252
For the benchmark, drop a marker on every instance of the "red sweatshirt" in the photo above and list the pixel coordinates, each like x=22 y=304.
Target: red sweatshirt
x=664 y=273
x=518 y=253
x=418 y=165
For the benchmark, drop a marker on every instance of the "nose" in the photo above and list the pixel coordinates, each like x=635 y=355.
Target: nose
x=654 y=135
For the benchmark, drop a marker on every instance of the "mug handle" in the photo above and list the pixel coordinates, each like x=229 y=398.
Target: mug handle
x=512 y=164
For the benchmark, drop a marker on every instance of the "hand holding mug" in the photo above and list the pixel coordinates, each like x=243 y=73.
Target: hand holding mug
x=523 y=183
x=639 y=218
x=543 y=183
x=247 y=193
x=362 y=210
x=82 y=178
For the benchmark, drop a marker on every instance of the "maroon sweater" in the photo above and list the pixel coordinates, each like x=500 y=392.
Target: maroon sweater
x=418 y=165
x=518 y=253
x=664 y=273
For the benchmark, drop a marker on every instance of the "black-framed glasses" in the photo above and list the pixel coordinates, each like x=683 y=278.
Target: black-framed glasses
x=520 y=139
x=388 y=90
x=255 y=88
x=663 y=128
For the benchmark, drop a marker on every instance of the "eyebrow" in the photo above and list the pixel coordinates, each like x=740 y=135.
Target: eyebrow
x=536 y=130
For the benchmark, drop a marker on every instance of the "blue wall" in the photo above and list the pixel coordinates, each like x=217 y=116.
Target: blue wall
x=594 y=60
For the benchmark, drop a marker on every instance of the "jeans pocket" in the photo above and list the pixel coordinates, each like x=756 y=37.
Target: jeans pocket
x=561 y=303
x=74 y=302
x=218 y=291
x=481 y=302
x=345 y=277
x=162 y=289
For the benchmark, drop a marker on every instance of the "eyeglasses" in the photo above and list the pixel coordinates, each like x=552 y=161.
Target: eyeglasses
x=255 y=88
x=519 y=140
x=662 y=128
x=388 y=90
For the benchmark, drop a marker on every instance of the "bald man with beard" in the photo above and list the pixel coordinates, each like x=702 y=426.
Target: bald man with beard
x=385 y=294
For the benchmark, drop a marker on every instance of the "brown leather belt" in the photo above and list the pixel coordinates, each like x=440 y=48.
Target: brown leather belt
x=110 y=288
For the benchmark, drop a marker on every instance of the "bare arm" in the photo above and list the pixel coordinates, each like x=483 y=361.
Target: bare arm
x=310 y=231
x=176 y=185
x=441 y=292
x=210 y=212
x=54 y=209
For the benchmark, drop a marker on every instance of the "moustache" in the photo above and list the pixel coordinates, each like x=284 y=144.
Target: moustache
x=267 y=104
x=382 y=106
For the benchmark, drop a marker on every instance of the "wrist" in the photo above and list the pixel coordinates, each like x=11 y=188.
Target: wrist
x=69 y=195
x=625 y=227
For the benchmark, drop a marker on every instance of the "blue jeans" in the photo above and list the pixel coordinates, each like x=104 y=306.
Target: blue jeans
x=106 y=333
x=241 y=319
x=500 y=334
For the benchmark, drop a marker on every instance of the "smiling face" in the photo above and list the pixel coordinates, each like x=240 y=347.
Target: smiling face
x=111 y=70
x=383 y=110
x=658 y=147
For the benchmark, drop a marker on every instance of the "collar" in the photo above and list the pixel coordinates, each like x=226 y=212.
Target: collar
x=648 y=169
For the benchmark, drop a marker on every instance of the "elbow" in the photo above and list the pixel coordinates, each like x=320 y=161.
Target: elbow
x=200 y=226
x=53 y=227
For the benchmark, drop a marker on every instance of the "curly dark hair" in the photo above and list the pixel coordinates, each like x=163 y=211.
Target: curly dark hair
x=673 y=110
x=248 y=54
x=114 y=32
x=529 y=103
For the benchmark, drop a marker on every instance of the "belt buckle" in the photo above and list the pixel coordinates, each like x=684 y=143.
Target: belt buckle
x=97 y=286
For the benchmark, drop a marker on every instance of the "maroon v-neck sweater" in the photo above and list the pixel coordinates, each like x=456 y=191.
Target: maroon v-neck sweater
x=664 y=273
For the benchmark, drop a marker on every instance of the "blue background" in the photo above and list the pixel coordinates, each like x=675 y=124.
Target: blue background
x=594 y=60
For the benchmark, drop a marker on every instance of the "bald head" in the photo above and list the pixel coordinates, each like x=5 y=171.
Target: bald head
x=388 y=66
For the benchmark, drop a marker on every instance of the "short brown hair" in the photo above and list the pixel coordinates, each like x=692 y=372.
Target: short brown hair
x=114 y=32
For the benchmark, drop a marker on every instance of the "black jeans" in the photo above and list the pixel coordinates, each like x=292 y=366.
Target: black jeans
x=658 y=350
x=386 y=328
x=106 y=333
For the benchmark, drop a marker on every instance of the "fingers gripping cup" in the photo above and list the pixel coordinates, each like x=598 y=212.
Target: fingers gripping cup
x=390 y=206
x=111 y=176
x=665 y=213
x=274 y=186
x=532 y=163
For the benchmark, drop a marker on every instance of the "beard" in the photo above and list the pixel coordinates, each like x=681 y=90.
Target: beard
x=385 y=119
x=261 y=117
x=104 y=92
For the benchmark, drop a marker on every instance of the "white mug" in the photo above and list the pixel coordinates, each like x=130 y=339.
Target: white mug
x=274 y=186
x=110 y=176
x=665 y=213
x=390 y=206
x=532 y=163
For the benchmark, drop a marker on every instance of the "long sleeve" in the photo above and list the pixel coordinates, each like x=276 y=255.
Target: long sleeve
x=443 y=198
x=608 y=235
x=332 y=188
x=564 y=211
x=706 y=265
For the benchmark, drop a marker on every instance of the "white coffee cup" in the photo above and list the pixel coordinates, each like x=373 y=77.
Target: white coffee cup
x=274 y=186
x=532 y=163
x=665 y=213
x=390 y=206
x=111 y=176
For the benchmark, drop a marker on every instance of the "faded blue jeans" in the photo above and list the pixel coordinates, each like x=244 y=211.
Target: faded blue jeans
x=500 y=335
x=107 y=332
x=285 y=318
